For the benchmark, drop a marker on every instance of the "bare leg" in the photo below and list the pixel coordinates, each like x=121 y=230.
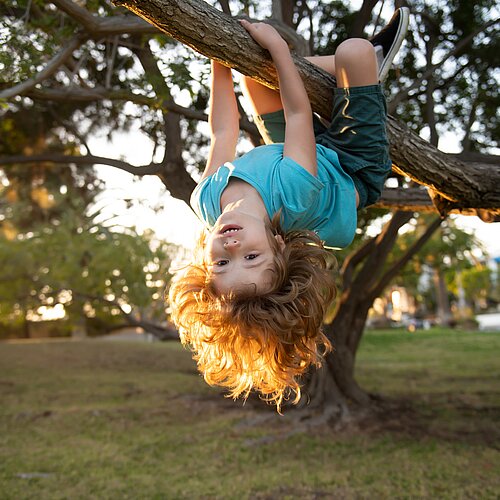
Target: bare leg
x=326 y=63
x=262 y=98
x=354 y=65
x=265 y=100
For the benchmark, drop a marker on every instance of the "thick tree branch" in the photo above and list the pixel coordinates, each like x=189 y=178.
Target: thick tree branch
x=464 y=185
x=220 y=37
x=411 y=199
x=352 y=260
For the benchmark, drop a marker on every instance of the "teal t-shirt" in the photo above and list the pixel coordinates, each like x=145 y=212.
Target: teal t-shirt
x=325 y=204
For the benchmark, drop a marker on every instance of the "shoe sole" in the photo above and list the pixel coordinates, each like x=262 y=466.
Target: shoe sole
x=400 y=36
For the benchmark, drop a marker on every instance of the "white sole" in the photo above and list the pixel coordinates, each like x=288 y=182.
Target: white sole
x=400 y=36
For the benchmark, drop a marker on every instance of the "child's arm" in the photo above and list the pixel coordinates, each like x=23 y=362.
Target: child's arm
x=223 y=118
x=300 y=144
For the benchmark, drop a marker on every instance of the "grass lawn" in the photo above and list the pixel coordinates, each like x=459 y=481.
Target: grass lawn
x=97 y=419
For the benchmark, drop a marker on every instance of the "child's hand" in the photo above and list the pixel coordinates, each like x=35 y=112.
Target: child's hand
x=264 y=34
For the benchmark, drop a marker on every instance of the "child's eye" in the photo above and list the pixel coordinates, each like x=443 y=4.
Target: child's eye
x=221 y=262
x=251 y=256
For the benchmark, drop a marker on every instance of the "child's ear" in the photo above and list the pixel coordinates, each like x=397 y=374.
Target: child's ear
x=281 y=242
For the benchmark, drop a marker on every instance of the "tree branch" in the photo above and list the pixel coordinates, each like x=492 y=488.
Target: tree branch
x=442 y=84
x=459 y=47
x=478 y=158
x=79 y=94
x=353 y=259
x=218 y=36
x=173 y=175
x=225 y=7
x=52 y=66
x=159 y=331
x=393 y=271
x=151 y=169
x=367 y=276
x=116 y=25
x=362 y=18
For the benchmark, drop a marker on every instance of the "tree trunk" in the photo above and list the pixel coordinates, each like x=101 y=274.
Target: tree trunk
x=443 y=303
x=333 y=387
x=79 y=329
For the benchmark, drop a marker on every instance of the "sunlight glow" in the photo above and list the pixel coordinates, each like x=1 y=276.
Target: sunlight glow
x=126 y=308
x=396 y=299
x=47 y=313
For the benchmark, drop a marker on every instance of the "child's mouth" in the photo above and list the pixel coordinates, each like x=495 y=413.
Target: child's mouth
x=230 y=228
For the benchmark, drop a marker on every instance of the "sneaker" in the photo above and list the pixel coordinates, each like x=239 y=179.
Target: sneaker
x=388 y=41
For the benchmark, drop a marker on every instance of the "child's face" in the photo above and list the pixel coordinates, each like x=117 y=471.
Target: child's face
x=239 y=253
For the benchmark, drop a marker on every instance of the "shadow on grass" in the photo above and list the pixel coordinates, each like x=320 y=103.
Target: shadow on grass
x=444 y=417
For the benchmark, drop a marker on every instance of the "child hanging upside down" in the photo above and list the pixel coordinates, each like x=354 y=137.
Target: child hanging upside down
x=252 y=302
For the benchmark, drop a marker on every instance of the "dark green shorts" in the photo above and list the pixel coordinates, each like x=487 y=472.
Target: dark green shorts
x=357 y=133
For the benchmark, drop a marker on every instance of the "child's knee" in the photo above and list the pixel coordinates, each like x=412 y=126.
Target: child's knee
x=354 y=49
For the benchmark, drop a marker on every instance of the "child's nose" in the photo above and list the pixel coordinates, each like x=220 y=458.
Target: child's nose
x=232 y=243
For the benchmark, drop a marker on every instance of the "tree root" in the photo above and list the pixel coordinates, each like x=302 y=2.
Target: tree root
x=331 y=417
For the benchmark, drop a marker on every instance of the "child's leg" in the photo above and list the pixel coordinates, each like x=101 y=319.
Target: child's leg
x=356 y=64
x=357 y=129
x=355 y=54
x=326 y=63
x=262 y=99
x=354 y=68
x=265 y=100
x=267 y=110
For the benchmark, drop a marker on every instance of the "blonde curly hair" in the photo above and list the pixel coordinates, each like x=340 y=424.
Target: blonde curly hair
x=245 y=340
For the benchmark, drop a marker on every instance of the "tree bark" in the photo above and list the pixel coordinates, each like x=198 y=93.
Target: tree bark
x=218 y=36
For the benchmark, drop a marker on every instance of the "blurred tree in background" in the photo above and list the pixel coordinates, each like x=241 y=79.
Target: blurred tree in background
x=433 y=275
x=55 y=249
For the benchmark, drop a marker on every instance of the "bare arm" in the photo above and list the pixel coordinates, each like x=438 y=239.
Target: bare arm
x=300 y=144
x=223 y=118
